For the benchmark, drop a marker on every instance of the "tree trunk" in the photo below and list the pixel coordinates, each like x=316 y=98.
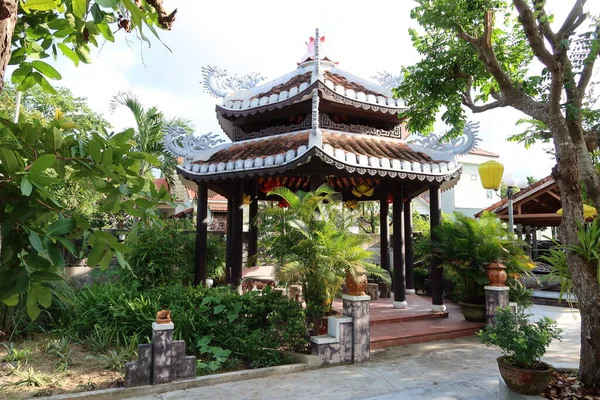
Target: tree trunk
x=585 y=285
x=8 y=19
x=589 y=175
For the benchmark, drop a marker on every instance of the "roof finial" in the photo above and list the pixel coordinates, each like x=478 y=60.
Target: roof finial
x=315 y=138
x=317 y=63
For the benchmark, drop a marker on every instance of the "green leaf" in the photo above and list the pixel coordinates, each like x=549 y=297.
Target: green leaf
x=107 y=157
x=53 y=138
x=105 y=237
x=46 y=69
x=31 y=303
x=83 y=54
x=67 y=244
x=45 y=276
x=43 y=82
x=105 y=261
x=108 y=3
x=94 y=150
x=96 y=255
x=42 y=163
x=12 y=301
x=70 y=54
x=9 y=160
x=122 y=137
x=55 y=255
x=79 y=8
x=61 y=227
x=106 y=31
x=218 y=309
x=26 y=186
x=35 y=241
x=44 y=297
x=41 y=5
x=27 y=83
x=20 y=73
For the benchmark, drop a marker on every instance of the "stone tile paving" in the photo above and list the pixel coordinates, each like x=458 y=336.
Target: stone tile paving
x=451 y=369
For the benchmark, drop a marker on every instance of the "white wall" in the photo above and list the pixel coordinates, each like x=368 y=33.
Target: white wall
x=468 y=196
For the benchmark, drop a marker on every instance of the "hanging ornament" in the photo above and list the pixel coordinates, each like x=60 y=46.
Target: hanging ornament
x=390 y=198
x=351 y=204
x=247 y=199
x=267 y=186
x=363 y=190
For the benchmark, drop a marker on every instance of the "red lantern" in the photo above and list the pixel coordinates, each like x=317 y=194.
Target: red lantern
x=283 y=204
x=390 y=198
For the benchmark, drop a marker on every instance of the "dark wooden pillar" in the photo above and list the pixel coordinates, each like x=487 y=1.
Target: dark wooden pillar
x=384 y=233
x=316 y=177
x=201 y=235
x=228 y=243
x=408 y=249
x=252 y=227
x=437 y=272
x=398 y=223
x=237 y=228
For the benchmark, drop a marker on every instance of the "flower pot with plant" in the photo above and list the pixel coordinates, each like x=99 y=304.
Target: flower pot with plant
x=467 y=246
x=523 y=344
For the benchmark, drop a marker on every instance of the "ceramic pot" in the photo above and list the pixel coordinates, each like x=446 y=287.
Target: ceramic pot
x=356 y=288
x=525 y=381
x=496 y=274
x=473 y=312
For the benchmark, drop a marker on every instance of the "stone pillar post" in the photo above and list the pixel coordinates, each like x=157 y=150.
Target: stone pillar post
x=495 y=296
x=162 y=341
x=229 y=230
x=357 y=307
x=253 y=228
x=384 y=234
x=237 y=230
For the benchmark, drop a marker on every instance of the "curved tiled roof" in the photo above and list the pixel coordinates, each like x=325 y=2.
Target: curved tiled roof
x=497 y=206
x=480 y=152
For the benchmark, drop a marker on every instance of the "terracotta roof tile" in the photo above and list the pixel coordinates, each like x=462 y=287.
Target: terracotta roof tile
x=295 y=81
x=340 y=80
x=480 y=152
x=259 y=148
x=160 y=183
x=217 y=197
x=217 y=208
x=375 y=147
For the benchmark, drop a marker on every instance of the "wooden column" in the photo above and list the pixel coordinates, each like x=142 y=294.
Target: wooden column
x=316 y=179
x=437 y=272
x=237 y=227
x=201 y=235
x=228 y=243
x=408 y=249
x=252 y=227
x=384 y=233
x=398 y=224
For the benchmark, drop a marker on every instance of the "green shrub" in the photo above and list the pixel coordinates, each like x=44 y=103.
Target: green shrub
x=251 y=328
x=164 y=255
x=421 y=280
x=523 y=343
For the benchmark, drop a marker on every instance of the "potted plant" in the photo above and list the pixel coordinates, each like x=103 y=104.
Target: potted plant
x=467 y=247
x=523 y=344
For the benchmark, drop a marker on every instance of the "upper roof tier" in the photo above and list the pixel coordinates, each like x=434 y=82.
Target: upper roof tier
x=247 y=95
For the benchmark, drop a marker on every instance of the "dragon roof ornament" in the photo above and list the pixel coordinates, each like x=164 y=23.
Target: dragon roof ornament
x=458 y=146
x=218 y=84
x=387 y=79
x=182 y=143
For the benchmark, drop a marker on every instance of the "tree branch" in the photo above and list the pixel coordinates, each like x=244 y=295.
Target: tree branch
x=544 y=25
x=574 y=19
x=467 y=100
x=165 y=19
x=532 y=32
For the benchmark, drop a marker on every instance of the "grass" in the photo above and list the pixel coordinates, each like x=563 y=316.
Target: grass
x=47 y=365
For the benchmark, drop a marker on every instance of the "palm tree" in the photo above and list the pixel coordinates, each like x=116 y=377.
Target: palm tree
x=149 y=133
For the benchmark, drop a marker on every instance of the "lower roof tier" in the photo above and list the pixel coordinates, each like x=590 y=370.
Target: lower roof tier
x=352 y=153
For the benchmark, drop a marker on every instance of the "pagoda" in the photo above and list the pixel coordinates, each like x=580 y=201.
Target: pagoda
x=318 y=124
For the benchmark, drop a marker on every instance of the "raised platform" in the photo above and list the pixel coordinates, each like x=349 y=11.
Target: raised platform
x=416 y=323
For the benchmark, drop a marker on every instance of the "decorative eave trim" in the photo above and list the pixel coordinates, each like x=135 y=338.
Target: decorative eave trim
x=377 y=104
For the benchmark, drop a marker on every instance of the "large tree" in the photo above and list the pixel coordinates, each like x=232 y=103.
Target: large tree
x=481 y=55
x=39 y=153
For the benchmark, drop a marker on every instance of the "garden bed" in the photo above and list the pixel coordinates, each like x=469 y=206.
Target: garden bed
x=35 y=373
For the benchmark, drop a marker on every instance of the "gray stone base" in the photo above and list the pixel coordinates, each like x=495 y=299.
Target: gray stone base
x=162 y=361
x=495 y=296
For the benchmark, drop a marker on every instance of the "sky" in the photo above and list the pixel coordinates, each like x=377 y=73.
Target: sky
x=269 y=37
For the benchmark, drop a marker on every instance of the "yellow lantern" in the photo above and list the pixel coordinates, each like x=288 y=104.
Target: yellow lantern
x=491 y=174
x=363 y=190
x=588 y=211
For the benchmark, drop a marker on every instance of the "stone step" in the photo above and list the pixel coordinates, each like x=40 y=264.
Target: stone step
x=388 y=319
x=421 y=331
